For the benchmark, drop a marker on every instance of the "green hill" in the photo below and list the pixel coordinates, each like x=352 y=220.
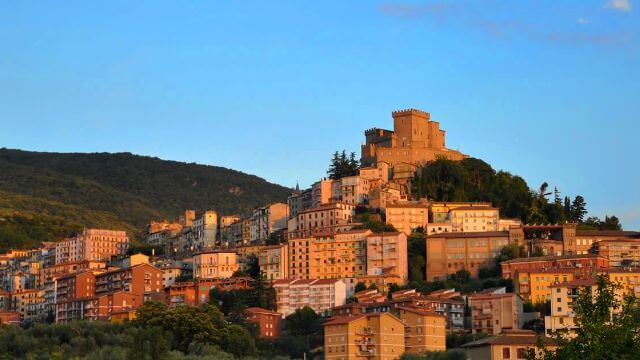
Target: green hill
x=45 y=196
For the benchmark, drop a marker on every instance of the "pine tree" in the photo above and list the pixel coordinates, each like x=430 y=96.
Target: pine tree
x=567 y=208
x=578 y=209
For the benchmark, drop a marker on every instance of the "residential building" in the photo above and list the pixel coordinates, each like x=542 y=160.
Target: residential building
x=197 y=292
x=215 y=264
x=387 y=256
x=266 y=220
x=323 y=217
x=562 y=318
x=495 y=311
x=448 y=253
x=322 y=192
x=268 y=322
x=584 y=264
x=511 y=345
x=378 y=336
x=407 y=216
x=273 y=262
x=141 y=281
x=352 y=190
x=97 y=308
x=415 y=140
x=474 y=218
x=93 y=245
x=29 y=303
x=535 y=287
x=320 y=294
x=425 y=331
x=619 y=252
x=205 y=230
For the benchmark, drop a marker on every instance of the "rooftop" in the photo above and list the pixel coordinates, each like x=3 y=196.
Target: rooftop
x=513 y=337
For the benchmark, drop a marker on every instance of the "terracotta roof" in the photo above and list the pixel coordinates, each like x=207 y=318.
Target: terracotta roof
x=341 y=320
x=389 y=233
x=515 y=337
x=469 y=234
x=257 y=310
x=551 y=258
x=478 y=207
x=420 y=311
x=575 y=283
x=489 y=296
x=607 y=233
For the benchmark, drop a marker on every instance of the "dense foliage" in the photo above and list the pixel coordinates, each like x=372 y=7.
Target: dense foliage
x=342 y=165
x=474 y=180
x=44 y=196
x=607 y=327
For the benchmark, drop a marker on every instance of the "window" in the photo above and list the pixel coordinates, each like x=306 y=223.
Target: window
x=522 y=353
x=506 y=353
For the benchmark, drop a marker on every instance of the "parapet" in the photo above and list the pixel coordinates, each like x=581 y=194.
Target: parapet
x=411 y=111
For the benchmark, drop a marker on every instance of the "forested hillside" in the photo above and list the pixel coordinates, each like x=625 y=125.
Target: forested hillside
x=44 y=196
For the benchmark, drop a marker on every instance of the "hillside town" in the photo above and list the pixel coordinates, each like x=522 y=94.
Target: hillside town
x=342 y=247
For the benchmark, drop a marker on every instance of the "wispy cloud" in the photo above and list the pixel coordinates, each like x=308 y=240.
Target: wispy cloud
x=619 y=5
x=504 y=27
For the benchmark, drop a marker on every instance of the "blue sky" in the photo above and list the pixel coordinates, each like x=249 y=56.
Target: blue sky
x=549 y=90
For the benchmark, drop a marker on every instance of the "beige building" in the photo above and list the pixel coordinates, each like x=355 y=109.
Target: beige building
x=353 y=190
x=407 y=216
x=92 y=244
x=214 y=265
x=378 y=336
x=425 y=331
x=494 y=312
x=323 y=217
x=273 y=262
x=448 y=253
x=266 y=220
x=387 y=256
x=562 y=318
x=415 y=139
x=205 y=230
x=474 y=219
x=321 y=295
x=322 y=192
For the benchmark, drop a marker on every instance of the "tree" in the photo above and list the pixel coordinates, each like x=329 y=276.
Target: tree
x=607 y=327
x=360 y=286
x=342 y=165
x=461 y=276
x=306 y=325
x=416 y=248
x=578 y=209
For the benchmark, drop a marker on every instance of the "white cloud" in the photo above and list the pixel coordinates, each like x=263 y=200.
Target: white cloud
x=620 y=5
x=583 y=20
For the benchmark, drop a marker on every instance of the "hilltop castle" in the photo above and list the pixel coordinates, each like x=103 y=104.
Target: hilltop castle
x=415 y=139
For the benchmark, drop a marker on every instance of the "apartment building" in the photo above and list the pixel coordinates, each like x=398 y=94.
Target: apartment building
x=353 y=190
x=562 y=318
x=273 y=262
x=93 y=245
x=495 y=311
x=266 y=220
x=448 y=253
x=447 y=303
x=97 y=308
x=619 y=252
x=320 y=294
x=387 y=256
x=326 y=216
x=322 y=192
x=536 y=286
x=29 y=303
x=197 y=292
x=215 y=264
x=583 y=264
x=367 y=336
x=9 y=318
x=425 y=331
x=328 y=256
x=141 y=281
x=407 y=216
x=268 y=322
x=474 y=218
x=205 y=230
